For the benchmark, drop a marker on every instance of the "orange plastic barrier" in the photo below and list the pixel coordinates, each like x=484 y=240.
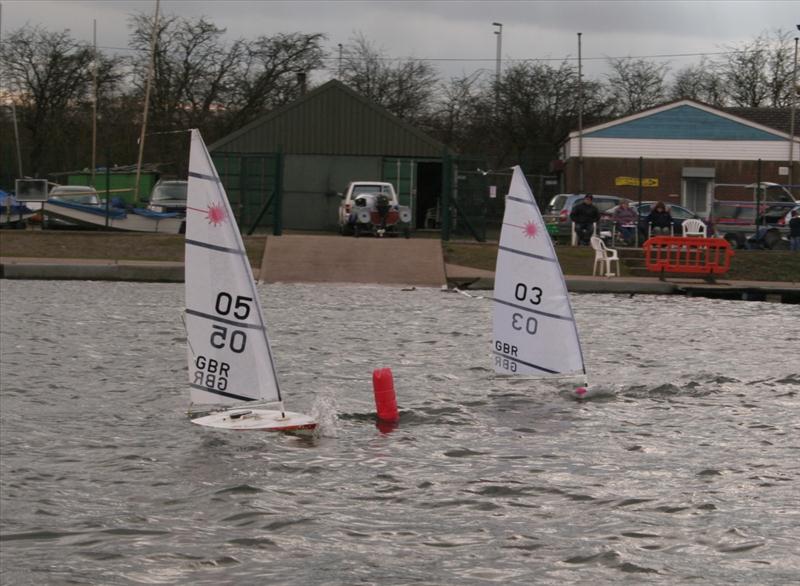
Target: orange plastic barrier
x=700 y=256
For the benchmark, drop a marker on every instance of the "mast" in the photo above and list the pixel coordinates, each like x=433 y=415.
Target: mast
x=94 y=102
x=146 y=103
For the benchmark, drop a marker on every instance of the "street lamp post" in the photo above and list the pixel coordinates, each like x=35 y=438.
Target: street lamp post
x=580 y=117
x=791 y=118
x=499 y=33
x=16 y=136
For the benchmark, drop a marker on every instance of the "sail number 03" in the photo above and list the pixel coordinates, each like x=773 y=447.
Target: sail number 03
x=228 y=306
x=534 y=296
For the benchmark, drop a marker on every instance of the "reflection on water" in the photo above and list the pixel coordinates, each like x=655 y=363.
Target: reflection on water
x=685 y=469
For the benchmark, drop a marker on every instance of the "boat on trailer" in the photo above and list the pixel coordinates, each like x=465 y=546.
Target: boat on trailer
x=114 y=218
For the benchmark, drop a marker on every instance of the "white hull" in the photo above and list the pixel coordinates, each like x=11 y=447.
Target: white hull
x=244 y=419
x=131 y=222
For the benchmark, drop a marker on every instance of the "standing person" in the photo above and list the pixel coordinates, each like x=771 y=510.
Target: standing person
x=660 y=220
x=625 y=219
x=585 y=215
x=794 y=231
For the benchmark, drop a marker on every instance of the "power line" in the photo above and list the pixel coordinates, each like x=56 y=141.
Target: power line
x=558 y=59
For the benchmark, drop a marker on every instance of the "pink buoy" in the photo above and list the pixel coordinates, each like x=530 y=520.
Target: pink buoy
x=581 y=391
x=385 y=400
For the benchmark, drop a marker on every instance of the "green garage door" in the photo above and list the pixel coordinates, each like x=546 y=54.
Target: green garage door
x=250 y=181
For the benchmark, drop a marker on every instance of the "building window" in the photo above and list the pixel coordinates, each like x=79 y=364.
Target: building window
x=696 y=193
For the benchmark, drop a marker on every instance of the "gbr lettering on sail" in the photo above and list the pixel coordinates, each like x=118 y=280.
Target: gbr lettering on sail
x=214 y=373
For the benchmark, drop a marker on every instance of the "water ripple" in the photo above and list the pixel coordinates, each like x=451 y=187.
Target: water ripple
x=683 y=468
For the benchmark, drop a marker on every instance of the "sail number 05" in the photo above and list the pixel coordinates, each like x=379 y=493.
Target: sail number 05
x=228 y=306
x=534 y=296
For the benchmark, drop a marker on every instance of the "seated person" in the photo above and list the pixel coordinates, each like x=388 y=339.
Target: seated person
x=625 y=221
x=585 y=215
x=660 y=220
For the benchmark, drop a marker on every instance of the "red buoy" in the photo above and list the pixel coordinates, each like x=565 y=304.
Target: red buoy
x=385 y=400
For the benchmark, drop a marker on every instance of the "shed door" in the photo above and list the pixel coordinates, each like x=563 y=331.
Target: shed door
x=400 y=173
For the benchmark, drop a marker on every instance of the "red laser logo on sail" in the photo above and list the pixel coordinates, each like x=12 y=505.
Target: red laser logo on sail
x=530 y=230
x=216 y=214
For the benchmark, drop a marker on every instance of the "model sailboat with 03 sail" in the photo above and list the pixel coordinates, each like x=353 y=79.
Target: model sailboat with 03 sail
x=231 y=370
x=534 y=330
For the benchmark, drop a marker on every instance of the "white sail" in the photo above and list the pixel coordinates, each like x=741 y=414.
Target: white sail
x=534 y=330
x=230 y=360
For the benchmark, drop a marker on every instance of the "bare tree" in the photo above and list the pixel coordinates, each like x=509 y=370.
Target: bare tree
x=537 y=108
x=744 y=72
x=193 y=70
x=780 y=60
x=636 y=84
x=267 y=76
x=460 y=110
x=406 y=88
x=49 y=75
x=700 y=82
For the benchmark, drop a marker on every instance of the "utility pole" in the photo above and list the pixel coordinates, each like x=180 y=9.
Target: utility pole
x=146 y=103
x=580 y=118
x=10 y=103
x=94 y=102
x=791 y=119
x=340 y=61
x=499 y=33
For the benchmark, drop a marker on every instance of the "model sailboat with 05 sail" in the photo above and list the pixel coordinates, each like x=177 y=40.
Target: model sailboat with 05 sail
x=231 y=369
x=534 y=330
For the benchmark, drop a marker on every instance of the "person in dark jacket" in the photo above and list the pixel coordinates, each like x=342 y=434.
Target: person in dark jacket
x=794 y=232
x=585 y=215
x=660 y=220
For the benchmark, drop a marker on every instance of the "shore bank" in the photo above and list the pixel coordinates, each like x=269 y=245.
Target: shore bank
x=72 y=255
x=468 y=279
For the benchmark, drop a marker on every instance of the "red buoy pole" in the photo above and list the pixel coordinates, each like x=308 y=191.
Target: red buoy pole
x=385 y=400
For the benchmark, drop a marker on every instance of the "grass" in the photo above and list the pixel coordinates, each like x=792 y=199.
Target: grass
x=574 y=260
x=746 y=265
x=751 y=265
x=107 y=245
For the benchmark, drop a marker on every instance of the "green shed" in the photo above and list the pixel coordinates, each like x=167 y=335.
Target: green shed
x=312 y=148
x=121 y=182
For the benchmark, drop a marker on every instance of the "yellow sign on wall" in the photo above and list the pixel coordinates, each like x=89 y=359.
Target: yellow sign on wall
x=646 y=181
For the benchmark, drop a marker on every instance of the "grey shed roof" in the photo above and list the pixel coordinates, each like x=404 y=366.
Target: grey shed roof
x=331 y=120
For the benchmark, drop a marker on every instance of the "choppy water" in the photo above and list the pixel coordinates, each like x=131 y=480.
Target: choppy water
x=687 y=471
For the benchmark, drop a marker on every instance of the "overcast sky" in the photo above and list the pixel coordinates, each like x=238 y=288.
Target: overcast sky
x=456 y=35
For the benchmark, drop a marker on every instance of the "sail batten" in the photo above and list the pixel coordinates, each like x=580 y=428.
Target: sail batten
x=533 y=323
x=196 y=175
x=536 y=366
x=222 y=320
x=531 y=310
x=528 y=254
x=215 y=247
x=222 y=393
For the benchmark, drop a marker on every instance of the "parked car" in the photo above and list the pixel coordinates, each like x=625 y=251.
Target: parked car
x=556 y=215
x=736 y=222
x=168 y=196
x=769 y=192
x=372 y=207
x=678 y=213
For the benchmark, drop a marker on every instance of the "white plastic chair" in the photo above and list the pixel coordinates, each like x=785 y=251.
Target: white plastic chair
x=693 y=227
x=603 y=257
